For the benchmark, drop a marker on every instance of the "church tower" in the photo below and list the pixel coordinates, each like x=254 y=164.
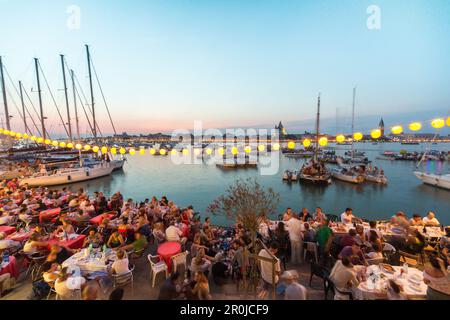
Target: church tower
x=381 y=127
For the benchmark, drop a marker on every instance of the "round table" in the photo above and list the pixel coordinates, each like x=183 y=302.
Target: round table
x=168 y=250
x=10 y=267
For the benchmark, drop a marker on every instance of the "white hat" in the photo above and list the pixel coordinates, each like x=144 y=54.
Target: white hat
x=290 y=275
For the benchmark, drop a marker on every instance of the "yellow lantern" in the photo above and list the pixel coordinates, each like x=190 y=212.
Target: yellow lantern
x=162 y=152
x=152 y=151
x=174 y=152
x=78 y=146
x=438 y=123
x=33 y=138
x=104 y=150
x=95 y=149
x=18 y=135
x=234 y=150
x=261 y=148
x=70 y=145
x=40 y=140
x=113 y=150
x=209 y=151
x=276 y=147
x=87 y=147
x=415 y=126
x=26 y=136
x=122 y=151
x=142 y=151
x=132 y=152
x=248 y=149
x=1 y=131
x=185 y=152
x=291 y=145
x=55 y=143
x=397 y=130
x=48 y=141
x=340 y=138
x=376 y=133
x=12 y=133
x=6 y=132
x=221 y=151
x=62 y=144
x=448 y=121
x=323 y=141
x=358 y=136
x=306 y=143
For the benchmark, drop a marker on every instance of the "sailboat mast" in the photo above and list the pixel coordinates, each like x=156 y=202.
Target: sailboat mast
x=5 y=101
x=353 y=118
x=92 y=92
x=75 y=104
x=36 y=65
x=67 y=98
x=25 y=126
x=317 y=129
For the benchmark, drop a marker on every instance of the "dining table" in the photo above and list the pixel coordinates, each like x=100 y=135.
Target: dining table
x=7 y=229
x=377 y=280
x=97 y=220
x=10 y=267
x=167 y=250
x=21 y=235
x=95 y=261
x=47 y=215
x=74 y=241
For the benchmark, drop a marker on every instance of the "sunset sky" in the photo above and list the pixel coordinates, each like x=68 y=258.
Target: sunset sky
x=165 y=63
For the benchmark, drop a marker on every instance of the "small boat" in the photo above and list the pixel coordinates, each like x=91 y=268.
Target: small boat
x=286 y=175
x=347 y=175
x=440 y=181
x=67 y=176
x=294 y=175
x=323 y=179
x=377 y=178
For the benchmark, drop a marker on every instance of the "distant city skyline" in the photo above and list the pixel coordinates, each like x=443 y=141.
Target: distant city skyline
x=165 y=64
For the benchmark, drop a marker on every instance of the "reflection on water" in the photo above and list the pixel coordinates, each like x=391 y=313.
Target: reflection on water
x=145 y=176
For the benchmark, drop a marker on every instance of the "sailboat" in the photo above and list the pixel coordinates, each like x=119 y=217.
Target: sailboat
x=315 y=172
x=433 y=179
x=348 y=173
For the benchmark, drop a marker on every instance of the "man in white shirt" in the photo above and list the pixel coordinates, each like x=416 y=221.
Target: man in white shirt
x=295 y=229
x=120 y=266
x=173 y=233
x=347 y=217
x=266 y=267
x=294 y=290
x=430 y=220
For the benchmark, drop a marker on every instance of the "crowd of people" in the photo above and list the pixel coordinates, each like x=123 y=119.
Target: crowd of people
x=41 y=222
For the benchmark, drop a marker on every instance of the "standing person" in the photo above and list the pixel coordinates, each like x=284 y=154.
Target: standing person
x=295 y=229
x=324 y=236
x=267 y=270
x=294 y=290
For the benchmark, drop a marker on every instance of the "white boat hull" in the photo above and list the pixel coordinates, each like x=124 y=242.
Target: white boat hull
x=441 y=181
x=376 y=179
x=357 y=179
x=67 y=177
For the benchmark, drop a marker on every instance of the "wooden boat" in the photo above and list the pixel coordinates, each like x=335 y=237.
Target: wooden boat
x=67 y=176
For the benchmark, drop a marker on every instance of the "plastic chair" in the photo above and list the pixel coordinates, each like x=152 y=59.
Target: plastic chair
x=157 y=267
x=179 y=259
x=122 y=280
x=312 y=248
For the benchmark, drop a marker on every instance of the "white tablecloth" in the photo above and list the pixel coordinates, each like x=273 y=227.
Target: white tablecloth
x=93 y=263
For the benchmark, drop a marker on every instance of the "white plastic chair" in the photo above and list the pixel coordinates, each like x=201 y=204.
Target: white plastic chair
x=157 y=267
x=122 y=280
x=312 y=248
x=179 y=259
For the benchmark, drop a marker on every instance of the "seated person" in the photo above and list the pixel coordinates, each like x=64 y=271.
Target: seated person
x=94 y=238
x=8 y=244
x=348 y=239
x=344 y=278
x=375 y=253
x=430 y=220
x=66 y=227
x=121 y=265
x=115 y=240
x=58 y=254
x=416 y=220
x=373 y=227
x=354 y=253
x=139 y=244
x=200 y=263
x=399 y=220
x=219 y=270
x=35 y=245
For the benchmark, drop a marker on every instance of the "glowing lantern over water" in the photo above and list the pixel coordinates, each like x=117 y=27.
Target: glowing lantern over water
x=142 y=151
x=291 y=145
x=104 y=150
x=70 y=145
x=276 y=147
x=185 y=152
x=438 y=123
x=6 y=132
x=234 y=150
x=209 y=151
x=397 y=130
x=40 y=140
x=113 y=150
x=248 y=149
x=33 y=138
x=162 y=152
x=415 y=126
x=12 y=133
x=78 y=146
x=47 y=141
x=221 y=151
x=306 y=143
x=340 y=138
x=261 y=148
x=122 y=151
x=87 y=147
x=448 y=121
x=55 y=143
x=323 y=141
x=1 y=131
x=358 y=136
x=132 y=151
x=62 y=144
x=18 y=135
x=376 y=133
x=95 y=149
x=152 y=151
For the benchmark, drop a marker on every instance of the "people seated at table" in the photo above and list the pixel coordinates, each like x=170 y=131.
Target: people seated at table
x=304 y=215
x=308 y=234
x=7 y=244
x=93 y=239
x=220 y=269
x=288 y=214
x=138 y=245
x=444 y=242
x=65 y=228
x=436 y=277
x=347 y=217
x=344 y=278
x=319 y=216
x=373 y=227
x=35 y=244
x=416 y=220
x=415 y=241
x=374 y=253
x=173 y=233
x=201 y=262
x=430 y=220
x=354 y=253
x=400 y=220
x=58 y=254
x=115 y=240
x=121 y=264
x=348 y=239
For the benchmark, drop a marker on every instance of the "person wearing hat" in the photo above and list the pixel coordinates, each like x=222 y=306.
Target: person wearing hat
x=294 y=290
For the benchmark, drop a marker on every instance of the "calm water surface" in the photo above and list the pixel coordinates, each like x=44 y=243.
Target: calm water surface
x=145 y=176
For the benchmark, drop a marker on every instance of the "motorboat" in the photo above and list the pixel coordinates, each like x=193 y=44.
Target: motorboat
x=67 y=176
x=294 y=175
x=286 y=175
x=440 y=181
x=347 y=175
x=377 y=178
